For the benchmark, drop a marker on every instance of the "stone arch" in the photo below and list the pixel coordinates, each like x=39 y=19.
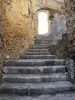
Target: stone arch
x=49 y=12
x=52 y=11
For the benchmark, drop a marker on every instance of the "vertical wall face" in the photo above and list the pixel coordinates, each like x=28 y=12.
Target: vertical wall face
x=58 y=28
x=18 y=34
x=35 y=24
x=1 y=37
x=70 y=16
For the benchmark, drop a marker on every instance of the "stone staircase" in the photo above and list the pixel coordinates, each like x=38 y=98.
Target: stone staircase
x=36 y=73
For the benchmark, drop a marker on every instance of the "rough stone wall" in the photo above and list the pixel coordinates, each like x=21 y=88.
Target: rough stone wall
x=1 y=39
x=35 y=25
x=71 y=69
x=18 y=33
x=58 y=28
x=70 y=17
x=60 y=49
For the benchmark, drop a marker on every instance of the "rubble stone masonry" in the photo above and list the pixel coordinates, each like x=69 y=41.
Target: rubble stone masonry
x=16 y=27
x=70 y=18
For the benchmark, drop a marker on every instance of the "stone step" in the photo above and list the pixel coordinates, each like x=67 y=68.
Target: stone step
x=40 y=47
x=38 y=53
x=38 y=50
x=22 y=78
x=34 y=70
x=36 y=88
x=38 y=57
x=41 y=44
x=35 y=62
x=43 y=39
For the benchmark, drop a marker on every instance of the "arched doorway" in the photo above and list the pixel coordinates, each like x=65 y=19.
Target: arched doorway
x=42 y=23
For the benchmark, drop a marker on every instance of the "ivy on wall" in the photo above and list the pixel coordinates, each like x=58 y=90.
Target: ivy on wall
x=51 y=17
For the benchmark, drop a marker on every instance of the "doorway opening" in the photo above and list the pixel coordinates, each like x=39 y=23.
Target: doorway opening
x=42 y=23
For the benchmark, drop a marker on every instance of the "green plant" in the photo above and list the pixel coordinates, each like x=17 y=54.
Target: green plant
x=51 y=17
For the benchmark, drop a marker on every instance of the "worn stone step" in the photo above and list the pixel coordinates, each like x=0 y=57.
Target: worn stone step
x=38 y=50
x=35 y=62
x=34 y=70
x=38 y=53
x=40 y=47
x=41 y=44
x=43 y=39
x=22 y=78
x=36 y=88
x=38 y=57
